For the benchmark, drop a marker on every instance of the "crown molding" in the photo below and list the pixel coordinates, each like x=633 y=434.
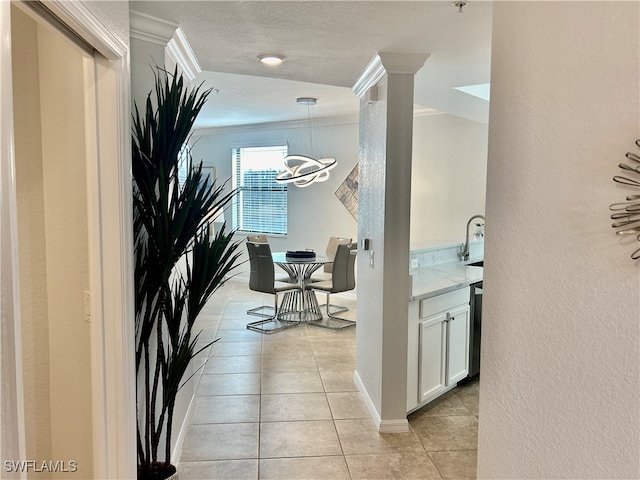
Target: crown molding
x=418 y=111
x=403 y=63
x=169 y=35
x=384 y=63
x=181 y=52
x=151 y=29
x=270 y=126
x=371 y=75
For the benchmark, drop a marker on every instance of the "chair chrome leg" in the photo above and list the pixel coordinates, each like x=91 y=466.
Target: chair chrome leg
x=332 y=322
x=335 y=308
x=262 y=326
x=257 y=311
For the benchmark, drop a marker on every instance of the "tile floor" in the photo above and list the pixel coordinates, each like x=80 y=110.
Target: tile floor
x=284 y=406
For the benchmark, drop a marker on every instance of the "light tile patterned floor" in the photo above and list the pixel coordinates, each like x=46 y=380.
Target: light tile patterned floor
x=284 y=406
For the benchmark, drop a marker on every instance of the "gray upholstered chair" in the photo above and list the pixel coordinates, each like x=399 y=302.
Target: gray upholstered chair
x=262 y=238
x=343 y=279
x=332 y=248
x=262 y=310
x=262 y=279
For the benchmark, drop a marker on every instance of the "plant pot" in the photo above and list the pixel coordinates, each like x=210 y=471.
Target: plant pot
x=159 y=471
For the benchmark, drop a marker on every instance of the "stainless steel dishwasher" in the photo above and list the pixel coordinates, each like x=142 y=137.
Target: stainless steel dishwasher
x=475 y=329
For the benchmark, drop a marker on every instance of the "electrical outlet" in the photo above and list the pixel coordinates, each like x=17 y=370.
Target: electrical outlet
x=415 y=263
x=371 y=258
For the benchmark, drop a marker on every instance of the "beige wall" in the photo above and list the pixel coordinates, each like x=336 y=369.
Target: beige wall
x=51 y=182
x=560 y=387
x=32 y=241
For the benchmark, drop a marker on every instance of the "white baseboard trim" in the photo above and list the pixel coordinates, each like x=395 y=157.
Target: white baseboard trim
x=177 y=448
x=375 y=416
x=394 y=426
x=383 y=426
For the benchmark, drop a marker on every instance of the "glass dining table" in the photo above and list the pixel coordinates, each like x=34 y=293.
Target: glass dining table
x=299 y=305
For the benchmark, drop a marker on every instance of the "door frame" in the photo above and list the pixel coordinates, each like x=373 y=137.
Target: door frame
x=110 y=235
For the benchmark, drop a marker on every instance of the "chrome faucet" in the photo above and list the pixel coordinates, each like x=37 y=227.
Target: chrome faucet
x=465 y=249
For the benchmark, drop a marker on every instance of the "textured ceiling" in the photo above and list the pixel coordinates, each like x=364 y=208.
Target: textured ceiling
x=328 y=44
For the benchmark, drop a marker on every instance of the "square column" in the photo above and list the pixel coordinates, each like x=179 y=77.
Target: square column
x=384 y=211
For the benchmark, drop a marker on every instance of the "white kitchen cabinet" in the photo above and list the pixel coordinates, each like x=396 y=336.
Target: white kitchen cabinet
x=431 y=354
x=443 y=352
x=438 y=353
x=458 y=344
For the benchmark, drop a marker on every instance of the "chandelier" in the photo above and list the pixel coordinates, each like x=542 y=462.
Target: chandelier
x=303 y=170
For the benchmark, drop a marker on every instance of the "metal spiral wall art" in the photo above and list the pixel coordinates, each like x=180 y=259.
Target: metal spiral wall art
x=626 y=215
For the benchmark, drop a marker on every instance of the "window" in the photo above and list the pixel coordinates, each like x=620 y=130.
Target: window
x=261 y=203
x=184 y=163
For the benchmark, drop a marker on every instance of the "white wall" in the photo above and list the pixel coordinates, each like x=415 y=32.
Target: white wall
x=560 y=391
x=144 y=57
x=448 y=177
x=315 y=212
x=448 y=181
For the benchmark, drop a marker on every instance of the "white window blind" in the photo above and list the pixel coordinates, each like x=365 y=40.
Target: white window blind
x=261 y=203
x=184 y=163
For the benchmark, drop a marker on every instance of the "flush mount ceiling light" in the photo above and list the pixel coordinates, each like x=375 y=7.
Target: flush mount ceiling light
x=271 y=59
x=303 y=170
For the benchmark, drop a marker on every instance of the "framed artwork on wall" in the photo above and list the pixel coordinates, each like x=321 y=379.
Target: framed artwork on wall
x=347 y=192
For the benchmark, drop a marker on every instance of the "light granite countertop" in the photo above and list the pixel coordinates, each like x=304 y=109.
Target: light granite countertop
x=442 y=278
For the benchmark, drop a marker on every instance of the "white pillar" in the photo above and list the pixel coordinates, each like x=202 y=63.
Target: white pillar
x=384 y=201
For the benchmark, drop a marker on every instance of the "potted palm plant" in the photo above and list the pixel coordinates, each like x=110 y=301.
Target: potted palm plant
x=178 y=265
